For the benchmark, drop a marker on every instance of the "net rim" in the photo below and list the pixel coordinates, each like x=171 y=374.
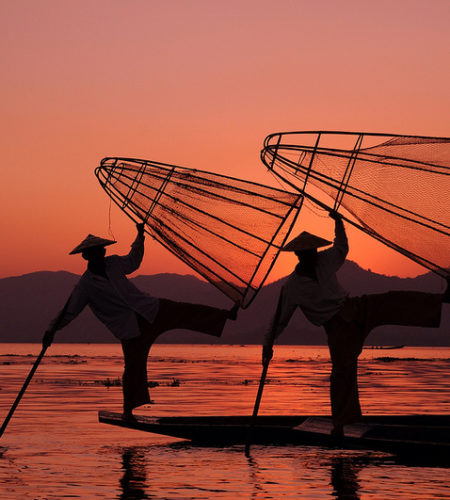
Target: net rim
x=249 y=293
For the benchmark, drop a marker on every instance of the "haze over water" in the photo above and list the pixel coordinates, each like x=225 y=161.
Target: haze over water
x=54 y=447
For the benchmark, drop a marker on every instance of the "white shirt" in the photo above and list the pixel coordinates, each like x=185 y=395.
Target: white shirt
x=114 y=300
x=319 y=299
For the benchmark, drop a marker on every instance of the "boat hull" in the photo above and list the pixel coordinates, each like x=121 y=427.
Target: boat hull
x=411 y=436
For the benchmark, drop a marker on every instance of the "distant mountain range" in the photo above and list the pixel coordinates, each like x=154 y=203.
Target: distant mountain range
x=29 y=302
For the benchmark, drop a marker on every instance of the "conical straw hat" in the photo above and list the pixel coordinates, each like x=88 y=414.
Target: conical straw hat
x=91 y=241
x=305 y=241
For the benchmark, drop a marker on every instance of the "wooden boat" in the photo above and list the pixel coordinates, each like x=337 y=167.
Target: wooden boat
x=410 y=436
x=388 y=347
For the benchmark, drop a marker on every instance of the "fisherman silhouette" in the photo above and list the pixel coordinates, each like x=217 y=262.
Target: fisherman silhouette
x=134 y=317
x=314 y=288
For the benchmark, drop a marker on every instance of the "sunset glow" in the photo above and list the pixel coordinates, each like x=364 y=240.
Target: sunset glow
x=198 y=84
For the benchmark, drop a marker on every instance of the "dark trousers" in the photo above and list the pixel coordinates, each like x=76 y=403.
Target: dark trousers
x=171 y=315
x=348 y=329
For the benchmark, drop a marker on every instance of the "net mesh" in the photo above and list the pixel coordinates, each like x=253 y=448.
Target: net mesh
x=228 y=230
x=396 y=188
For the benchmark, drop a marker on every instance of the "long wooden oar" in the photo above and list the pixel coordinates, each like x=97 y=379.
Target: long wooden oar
x=256 y=407
x=22 y=391
x=262 y=381
x=33 y=369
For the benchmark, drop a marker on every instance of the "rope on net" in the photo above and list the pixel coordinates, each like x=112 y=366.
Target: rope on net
x=229 y=230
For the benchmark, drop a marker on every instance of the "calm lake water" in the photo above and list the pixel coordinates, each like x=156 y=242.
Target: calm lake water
x=54 y=447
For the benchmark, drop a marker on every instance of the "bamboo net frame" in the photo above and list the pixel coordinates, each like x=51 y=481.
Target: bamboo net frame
x=228 y=230
x=396 y=188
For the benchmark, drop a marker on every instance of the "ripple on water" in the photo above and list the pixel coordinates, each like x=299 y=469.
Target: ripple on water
x=54 y=447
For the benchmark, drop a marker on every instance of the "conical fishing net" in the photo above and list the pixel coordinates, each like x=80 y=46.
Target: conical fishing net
x=397 y=188
x=229 y=230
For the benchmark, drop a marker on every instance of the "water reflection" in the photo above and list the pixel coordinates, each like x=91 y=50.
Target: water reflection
x=271 y=472
x=256 y=478
x=133 y=480
x=70 y=460
x=344 y=478
x=335 y=474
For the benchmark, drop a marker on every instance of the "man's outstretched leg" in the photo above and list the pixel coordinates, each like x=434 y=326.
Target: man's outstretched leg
x=171 y=315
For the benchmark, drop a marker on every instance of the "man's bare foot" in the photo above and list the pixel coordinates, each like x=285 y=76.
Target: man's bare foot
x=446 y=296
x=232 y=313
x=337 y=431
x=128 y=415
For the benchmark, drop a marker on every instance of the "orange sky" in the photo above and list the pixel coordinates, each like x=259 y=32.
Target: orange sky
x=199 y=84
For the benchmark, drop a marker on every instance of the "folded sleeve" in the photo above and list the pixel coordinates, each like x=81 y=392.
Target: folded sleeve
x=133 y=260
x=283 y=313
x=75 y=304
x=331 y=260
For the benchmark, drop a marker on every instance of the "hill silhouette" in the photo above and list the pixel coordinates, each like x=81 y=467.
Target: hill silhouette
x=29 y=302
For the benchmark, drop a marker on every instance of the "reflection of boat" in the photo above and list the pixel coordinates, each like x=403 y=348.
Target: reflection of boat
x=411 y=436
x=384 y=346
